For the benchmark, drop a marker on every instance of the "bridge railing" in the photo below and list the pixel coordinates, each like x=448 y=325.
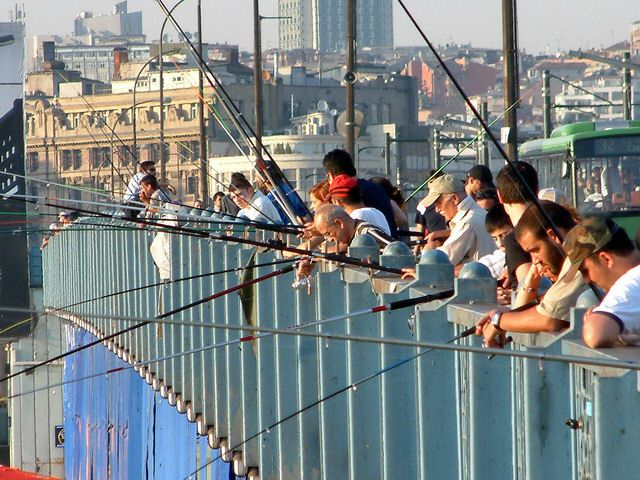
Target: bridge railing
x=441 y=414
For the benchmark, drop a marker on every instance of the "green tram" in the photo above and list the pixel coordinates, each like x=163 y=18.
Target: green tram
x=596 y=165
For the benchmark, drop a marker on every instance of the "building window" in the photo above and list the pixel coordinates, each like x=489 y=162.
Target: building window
x=192 y=185
x=100 y=157
x=77 y=159
x=33 y=161
x=67 y=161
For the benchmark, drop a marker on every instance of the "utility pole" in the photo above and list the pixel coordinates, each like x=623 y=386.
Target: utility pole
x=387 y=154
x=163 y=165
x=510 y=75
x=436 y=149
x=484 y=147
x=626 y=86
x=257 y=77
x=204 y=186
x=546 y=103
x=350 y=77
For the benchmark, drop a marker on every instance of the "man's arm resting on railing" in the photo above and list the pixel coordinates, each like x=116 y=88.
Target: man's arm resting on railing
x=525 y=321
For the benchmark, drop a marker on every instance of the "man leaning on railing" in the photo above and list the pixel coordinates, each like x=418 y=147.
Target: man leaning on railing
x=606 y=256
x=535 y=236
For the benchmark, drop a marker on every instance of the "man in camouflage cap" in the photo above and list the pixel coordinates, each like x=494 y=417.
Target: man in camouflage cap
x=606 y=256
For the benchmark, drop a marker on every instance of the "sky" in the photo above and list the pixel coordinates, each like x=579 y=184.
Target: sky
x=544 y=25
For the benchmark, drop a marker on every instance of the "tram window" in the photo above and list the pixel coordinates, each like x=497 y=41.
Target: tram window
x=550 y=174
x=609 y=183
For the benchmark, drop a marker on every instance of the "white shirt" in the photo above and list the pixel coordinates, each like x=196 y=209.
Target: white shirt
x=372 y=216
x=260 y=209
x=469 y=239
x=495 y=262
x=622 y=304
x=133 y=188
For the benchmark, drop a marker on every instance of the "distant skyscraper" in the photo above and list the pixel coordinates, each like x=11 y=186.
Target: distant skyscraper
x=321 y=24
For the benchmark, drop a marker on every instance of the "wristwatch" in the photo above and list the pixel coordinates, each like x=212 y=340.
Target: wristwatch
x=495 y=320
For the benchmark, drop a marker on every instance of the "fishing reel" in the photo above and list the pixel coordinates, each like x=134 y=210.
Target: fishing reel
x=350 y=78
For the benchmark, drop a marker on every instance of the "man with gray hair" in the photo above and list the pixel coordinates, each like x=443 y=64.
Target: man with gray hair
x=469 y=239
x=334 y=223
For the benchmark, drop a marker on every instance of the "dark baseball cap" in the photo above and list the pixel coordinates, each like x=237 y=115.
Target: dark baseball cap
x=482 y=173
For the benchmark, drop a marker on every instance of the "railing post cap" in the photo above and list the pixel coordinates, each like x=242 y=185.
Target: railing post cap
x=434 y=257
x=474 y=270
x=364 y=241
x=587 y=299
x=397 y=249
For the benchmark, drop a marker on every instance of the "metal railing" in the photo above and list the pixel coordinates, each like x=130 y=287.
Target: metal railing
x=442 y=415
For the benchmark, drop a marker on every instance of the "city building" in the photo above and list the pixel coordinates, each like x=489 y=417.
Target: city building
x=120 y=23
x=438 y=96
x=321 y=26
x=604 y=102
x=635 y=38
x=71 y=140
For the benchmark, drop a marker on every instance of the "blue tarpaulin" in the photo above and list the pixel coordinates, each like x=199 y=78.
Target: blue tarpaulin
x=117 y=427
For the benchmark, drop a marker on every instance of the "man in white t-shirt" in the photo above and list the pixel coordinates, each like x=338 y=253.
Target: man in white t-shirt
x=253 y=204
x=345 y=192
x=605 y=255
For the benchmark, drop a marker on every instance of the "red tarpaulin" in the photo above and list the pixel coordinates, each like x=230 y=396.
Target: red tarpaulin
x=7 y=473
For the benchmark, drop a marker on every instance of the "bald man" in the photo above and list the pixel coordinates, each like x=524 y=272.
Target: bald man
x=334 y=223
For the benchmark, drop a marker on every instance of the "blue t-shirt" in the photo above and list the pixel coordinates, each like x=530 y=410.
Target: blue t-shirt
x=374 y=196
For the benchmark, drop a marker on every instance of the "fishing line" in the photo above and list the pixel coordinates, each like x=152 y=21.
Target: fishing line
x=377 y=309
x=206 y=299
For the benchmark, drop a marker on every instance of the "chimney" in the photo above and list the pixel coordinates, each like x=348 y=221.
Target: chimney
x=120 y=56
x=234 y=57
x=48 y=51
x=49 y=57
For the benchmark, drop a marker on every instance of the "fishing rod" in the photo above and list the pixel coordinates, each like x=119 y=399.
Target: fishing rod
x=163 y=210
x=533 y=197
x=531 y=194
x=267 y=171
x=114 y=134
x=540 y=356
x=377 y=309
x=272 y=245
x=105 y=338
x=142 y=206
x=225 y=128
x=470 y=142
x=52 y=311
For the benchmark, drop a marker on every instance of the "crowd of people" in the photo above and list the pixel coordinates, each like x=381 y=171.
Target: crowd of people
x=542 y=254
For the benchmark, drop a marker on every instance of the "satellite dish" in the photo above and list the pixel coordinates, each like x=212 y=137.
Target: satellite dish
x=333 y=112
x=322 y=106
x=358 y=117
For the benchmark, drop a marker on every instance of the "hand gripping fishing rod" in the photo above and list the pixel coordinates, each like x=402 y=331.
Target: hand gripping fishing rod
x=377 y=309
x=352 y=386
x=209 y=298
x=267 y=171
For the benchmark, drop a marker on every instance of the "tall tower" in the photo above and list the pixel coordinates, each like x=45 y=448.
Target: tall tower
x=321 y=24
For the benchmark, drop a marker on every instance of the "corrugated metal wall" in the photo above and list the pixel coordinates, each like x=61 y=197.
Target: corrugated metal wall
x=116 y=427
x=444 y=415
x=33 y=417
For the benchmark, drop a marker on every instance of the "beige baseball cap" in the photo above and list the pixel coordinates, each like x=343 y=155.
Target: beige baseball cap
x=441 y=185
